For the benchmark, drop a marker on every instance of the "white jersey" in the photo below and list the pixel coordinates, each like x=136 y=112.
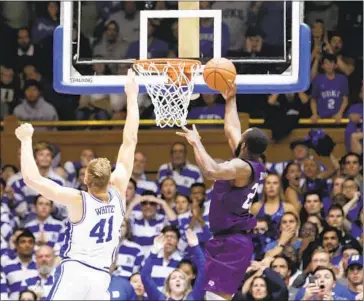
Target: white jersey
x=95 y=238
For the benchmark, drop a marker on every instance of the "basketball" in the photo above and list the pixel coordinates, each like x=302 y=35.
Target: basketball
x=219 y=74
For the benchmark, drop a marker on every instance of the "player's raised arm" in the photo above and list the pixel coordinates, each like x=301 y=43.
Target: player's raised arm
x=46 y=187
x=230 y=170
x=232 y=125
x=124 y=164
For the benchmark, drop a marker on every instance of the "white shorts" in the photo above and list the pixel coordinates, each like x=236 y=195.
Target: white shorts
x=75 y=280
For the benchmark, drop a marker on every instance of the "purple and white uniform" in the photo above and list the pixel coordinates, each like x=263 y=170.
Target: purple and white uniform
x=229 y=253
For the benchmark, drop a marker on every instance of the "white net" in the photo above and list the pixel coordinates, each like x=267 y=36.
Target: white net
x=171 y=95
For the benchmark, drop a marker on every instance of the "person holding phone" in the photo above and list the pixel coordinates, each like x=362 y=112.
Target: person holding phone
x=321 y=285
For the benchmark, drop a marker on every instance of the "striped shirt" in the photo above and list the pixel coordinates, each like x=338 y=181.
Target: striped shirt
x=144 y=231
x=52 y=229
x=16 y=272
x=188 y=175
x=203 y=232
x=162 y=268
x=3 y=288
x=129 y=259
x=144 y=184
x=6 y=223
x=72 y=168
x=40 y=285
x=24 y=193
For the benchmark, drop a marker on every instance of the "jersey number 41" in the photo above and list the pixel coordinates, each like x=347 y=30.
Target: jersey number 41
x=98 y=230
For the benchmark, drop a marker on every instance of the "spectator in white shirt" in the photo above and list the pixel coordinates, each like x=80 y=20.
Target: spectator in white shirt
x=22 y=266
x=46 y=229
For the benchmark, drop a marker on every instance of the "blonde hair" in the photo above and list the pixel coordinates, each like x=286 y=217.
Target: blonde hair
x=281 y=195
x=167 y=288
x=98 y=173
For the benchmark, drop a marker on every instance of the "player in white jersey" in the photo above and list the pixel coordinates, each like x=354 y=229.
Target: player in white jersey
x=94 y=217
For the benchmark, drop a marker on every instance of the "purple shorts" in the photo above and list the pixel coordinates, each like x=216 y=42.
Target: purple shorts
x=227 y=259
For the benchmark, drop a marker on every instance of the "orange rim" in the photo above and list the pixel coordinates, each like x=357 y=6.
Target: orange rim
x=161 y=63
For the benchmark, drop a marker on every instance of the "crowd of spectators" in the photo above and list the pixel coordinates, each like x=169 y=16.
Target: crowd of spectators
x=309 y=230
x=308 y=239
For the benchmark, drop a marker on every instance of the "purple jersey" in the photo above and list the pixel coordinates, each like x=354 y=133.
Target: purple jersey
x=229 y=209
x=329 y=93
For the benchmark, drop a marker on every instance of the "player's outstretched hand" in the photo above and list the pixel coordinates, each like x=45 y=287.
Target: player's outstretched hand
x=24 y=132
x=192 y=136
x=230 y=92
x=192 y=238
x=158 y=243
x=131 y=86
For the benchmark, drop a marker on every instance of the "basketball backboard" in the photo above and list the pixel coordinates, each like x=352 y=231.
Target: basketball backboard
x=73 y=73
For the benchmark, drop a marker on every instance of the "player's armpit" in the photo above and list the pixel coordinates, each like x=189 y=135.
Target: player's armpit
x=231 y=170
x=120 y=178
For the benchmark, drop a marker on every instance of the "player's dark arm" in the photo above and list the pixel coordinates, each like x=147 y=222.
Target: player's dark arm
x=276 y=284
x=232 y=125
x=229 y=170
x=125 y=160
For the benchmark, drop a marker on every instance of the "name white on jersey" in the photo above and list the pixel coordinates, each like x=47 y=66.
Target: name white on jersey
x=94 y=239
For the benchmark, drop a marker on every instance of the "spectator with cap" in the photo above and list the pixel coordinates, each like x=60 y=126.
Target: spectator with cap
x=354 y=274
x=34 y=107
x=347 y=251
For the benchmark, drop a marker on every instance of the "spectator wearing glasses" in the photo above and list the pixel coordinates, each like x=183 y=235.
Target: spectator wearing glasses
x=149 y=223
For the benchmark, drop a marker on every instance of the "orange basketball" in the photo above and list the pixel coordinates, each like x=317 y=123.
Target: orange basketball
x=219 y=74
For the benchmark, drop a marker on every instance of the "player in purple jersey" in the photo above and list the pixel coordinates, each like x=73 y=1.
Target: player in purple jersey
x=229 y=253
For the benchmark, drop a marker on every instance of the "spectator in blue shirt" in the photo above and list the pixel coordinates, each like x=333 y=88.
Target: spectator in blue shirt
x=354 y=273
x=177 y=284
x=323 y=286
